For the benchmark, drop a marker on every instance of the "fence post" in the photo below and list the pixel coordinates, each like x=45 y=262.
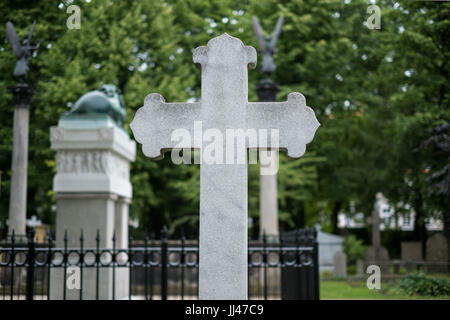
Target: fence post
x=265 y=263
x=164 y=264
x=316 y=267
x=13 y=262
x=182 y=262
x=30 y=267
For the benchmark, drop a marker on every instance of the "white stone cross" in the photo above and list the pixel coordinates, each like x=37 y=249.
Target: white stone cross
x=223 y=187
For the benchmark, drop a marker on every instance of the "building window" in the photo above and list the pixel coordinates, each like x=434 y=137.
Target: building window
x=387 y=223
x=406 y=220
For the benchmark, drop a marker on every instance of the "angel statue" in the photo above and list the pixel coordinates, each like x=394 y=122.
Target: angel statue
x=267 y=44
x=22 y=51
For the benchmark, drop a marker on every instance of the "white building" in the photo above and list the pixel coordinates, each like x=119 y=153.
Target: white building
x=329 y=244
x=404 y=221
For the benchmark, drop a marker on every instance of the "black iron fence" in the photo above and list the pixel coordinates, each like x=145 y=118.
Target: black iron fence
x=150 y=269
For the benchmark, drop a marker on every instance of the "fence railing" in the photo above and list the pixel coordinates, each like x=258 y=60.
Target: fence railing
x=149 y=269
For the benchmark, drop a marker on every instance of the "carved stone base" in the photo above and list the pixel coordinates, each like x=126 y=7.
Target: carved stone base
x=93 y=160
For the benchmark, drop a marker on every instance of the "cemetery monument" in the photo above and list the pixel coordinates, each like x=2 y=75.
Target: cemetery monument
x=92 y=186
x=224 y=110
x=22 y=94
x=267 y=91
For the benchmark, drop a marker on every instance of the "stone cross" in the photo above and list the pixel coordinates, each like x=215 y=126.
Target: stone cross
x=375 y=222
x=34 y=222
x=376 y=254
x=223 y=187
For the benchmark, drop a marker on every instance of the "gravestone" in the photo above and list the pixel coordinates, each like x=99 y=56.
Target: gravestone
x=411 y=253
x=92 y=190
x=376 y=254
x=359 y=267
x=224 y=108
x=340 y=264
x=437 y=254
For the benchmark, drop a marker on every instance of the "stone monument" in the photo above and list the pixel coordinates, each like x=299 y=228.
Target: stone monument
x=437 y=254
x=376 y=254
x=225 y=111
x=92 y=186
x=340 y=264
x=267 y=91
x=22 y=95
x=411 y=254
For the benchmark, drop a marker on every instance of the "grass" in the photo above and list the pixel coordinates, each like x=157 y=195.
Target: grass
x=342 y=289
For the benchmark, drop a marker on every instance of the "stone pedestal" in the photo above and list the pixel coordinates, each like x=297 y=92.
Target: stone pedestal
x=92 y=191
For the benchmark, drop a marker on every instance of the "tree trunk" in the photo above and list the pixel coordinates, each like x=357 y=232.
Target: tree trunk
x=301 y=220
x=420 y=231
x=446 y=220
x=334 y=216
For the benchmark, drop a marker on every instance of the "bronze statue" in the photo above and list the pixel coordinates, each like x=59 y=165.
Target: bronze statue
x=267 y=44
x=106 y=100
x=22 y=51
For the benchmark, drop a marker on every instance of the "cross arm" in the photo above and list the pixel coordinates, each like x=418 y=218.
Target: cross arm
x=295 y=121
x=155 y=122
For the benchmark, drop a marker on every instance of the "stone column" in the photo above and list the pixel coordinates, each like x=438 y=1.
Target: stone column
x=92 y=191
x=267 y=90
x=22 y=95
x=268 y=198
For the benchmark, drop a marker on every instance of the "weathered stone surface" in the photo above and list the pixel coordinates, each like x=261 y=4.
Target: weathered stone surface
x=359 y=267
x=93 y=160
x=22 y=95
x=224 y=105
x=268 y=205
x=19 y=164
x=223 y=187
x=340 y=264
x=411 y=251
x=437 y=254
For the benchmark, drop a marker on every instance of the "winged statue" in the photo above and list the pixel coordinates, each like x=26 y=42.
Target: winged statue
x=267 y=44
x=21 y=50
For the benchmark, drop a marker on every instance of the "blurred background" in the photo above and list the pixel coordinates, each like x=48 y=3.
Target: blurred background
x=381 y=96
